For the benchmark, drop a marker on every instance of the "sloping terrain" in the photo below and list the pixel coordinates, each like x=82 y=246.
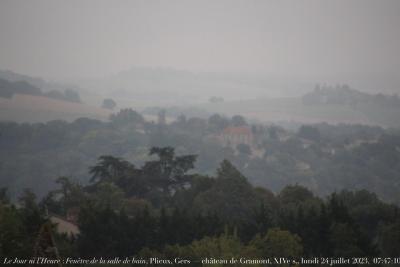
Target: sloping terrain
x=28 y=108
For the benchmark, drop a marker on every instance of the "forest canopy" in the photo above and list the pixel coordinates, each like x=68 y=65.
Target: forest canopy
x=165 y=210
x=321 y=157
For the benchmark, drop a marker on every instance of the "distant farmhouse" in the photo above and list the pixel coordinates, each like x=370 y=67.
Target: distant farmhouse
x=233 y=136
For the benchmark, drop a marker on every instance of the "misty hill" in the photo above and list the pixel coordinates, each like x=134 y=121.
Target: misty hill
x=328 y=104
x=44 y=85
x=259 y=97
x=346 y=96
x=193 y=94
x=33 y=108
x=9 y=89
x=22 y=100
x=379 y=108
x=143 y=87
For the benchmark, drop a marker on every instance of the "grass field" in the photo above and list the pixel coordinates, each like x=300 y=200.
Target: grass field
x=26 y=108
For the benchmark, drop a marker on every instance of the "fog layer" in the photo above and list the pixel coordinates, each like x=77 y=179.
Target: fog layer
x=321 y=41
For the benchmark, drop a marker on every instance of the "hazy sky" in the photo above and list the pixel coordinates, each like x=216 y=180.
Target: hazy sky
x=307 y=38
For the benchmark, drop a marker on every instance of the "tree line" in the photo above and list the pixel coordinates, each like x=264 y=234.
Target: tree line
x=165 y=209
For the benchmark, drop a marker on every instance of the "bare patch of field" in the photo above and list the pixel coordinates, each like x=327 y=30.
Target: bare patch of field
x=27 y=108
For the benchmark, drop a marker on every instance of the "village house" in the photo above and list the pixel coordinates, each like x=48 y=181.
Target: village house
x=233 y=136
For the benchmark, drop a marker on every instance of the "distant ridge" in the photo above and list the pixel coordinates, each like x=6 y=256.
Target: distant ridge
x=36 y=81
x=9 y=89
